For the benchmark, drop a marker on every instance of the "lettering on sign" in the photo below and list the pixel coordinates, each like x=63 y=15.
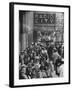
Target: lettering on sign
x=40 y=18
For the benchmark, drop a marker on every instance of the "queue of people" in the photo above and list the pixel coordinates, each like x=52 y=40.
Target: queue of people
x=42 y=61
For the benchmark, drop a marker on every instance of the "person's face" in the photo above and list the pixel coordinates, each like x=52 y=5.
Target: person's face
x=51 y=62
x=25 y=53
x=28 y=58
x=32 y=51
x=38 y=61
x=42 y=63
x=36 y=67
x=22 y=56
x=24 y=70
x=34 y=72
x=43 y=71
x=46 y=68
x=31 y=61
x=31 y=54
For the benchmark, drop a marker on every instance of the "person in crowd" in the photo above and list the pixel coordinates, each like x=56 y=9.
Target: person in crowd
x=60 y=68
x=23 y=72
x=55 y=55
x=52 y=71
x=50 y=50
x=41 y=61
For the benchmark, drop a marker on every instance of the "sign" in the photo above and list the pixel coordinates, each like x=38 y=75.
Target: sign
x=41 y=18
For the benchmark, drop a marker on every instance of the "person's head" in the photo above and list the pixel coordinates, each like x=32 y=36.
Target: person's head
x=25 y=52
x=29 y=65
x=33 y=51
x=32 y=43
x=31 y=61
x=43 y=70
x=42 y=63
x=33 y=71
x=23 y=70
x=46 y=68
x=21 y=56
x=44 y=58
x=52 y=44
x=51 y=62
x=54 y=50
x=28 y=58
x=59 y=63
x=37 y=67
x=31 y=54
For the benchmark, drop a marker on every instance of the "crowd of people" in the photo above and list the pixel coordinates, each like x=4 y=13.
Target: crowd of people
x=42 y=60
